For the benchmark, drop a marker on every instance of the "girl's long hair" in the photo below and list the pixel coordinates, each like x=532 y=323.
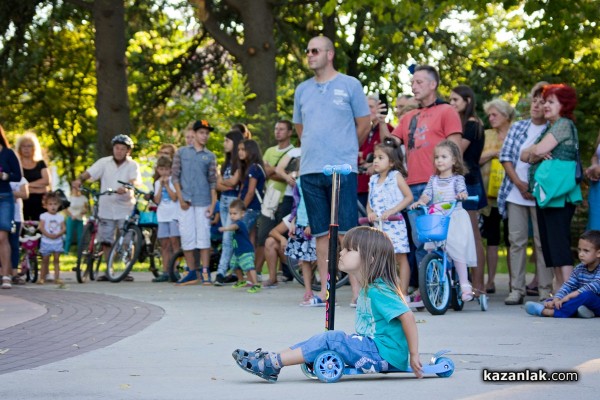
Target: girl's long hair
x=253 y=156
x=459 y=167
x=394 y=153
x=232 y=158
x=3 y=140
x=376 y=255
x=468 y=96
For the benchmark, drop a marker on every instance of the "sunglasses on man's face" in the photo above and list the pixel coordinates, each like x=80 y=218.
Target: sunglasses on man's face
x=314 y=51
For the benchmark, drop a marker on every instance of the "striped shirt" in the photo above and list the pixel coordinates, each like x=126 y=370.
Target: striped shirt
x=582 y=280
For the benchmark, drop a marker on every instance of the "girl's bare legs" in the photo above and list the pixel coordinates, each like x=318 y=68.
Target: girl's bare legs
x=477 y=274
x=402 y=261
x=57 y=269
x=307 y=276
x=166 y=252
x=44 y=269
x=5 y=254
x=463 y=278
x=492 y=262
x=291 y=357
x=271 y=256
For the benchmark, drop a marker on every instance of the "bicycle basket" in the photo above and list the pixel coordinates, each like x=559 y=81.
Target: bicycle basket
x=432 y=227
x=148 y=218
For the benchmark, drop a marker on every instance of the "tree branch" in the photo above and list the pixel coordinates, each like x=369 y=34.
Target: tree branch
x=82 y=4
x=211 y=24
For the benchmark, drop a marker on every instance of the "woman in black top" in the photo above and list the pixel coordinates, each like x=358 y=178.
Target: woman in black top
x=36 y=172
x=462 y=98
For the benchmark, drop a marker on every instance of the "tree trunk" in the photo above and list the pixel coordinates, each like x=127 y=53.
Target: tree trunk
x=112 y=102
x=258 y=60
x=256 y=55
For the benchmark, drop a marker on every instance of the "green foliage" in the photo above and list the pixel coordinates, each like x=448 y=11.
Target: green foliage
x=177 y=73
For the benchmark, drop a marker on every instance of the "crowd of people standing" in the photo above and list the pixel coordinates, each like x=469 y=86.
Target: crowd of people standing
x=512 y=168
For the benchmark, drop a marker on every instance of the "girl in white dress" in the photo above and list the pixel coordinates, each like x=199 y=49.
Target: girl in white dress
x=389 y=194
x=449 y=185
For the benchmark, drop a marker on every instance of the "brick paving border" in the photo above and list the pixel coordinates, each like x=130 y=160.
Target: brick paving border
x=75 y=323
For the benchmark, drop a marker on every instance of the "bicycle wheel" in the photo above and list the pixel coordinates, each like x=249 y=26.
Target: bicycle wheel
x=95 y=260
x=434 y=284
x=29 y=266
x=296 y=269
x=177 y=266
x=153 y=251
x=82 y=271
x=124 y=253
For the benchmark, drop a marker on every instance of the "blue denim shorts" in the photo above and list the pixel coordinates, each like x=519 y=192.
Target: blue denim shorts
x=250 y=218
x=7 y=211
x=357 y=351
x=316 y=193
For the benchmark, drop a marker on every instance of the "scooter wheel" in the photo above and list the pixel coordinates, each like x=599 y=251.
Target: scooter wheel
x=483 y=302
x=328 y=366
x=449 y=368
x=308 y=371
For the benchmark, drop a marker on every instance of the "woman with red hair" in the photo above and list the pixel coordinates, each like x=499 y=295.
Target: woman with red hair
x=552 y=178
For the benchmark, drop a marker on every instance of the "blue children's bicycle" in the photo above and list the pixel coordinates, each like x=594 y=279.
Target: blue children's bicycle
x=438 y=281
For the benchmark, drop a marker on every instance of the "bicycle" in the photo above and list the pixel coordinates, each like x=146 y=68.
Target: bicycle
x=438 y=280
x=89 y=249
x=132 y=244
x=29 y=240
x=342 y=277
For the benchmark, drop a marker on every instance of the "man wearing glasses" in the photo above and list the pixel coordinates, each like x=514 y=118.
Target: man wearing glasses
x=332 y=117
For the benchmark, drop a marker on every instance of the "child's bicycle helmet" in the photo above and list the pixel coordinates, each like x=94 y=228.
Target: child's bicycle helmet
x=122 y=139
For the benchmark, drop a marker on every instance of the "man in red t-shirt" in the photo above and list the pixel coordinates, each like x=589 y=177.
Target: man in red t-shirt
x=421 y=130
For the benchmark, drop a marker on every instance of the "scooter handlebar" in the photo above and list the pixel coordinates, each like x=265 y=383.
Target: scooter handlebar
x=342 y=169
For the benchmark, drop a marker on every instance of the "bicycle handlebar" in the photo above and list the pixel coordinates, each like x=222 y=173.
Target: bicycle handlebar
x=135 y=190
x=452 y=203
x=365 y=220
x=96 y=193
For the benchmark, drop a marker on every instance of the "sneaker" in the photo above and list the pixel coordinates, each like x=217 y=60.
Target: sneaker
x=514 y=298
x=241 y=284
x=230 y=279
x=258 y=363
x=534 y=308
x=206 y=277
x=584 y=312
x=190 y=279
x=254 y=289
x=161 y=278
x=219 y=280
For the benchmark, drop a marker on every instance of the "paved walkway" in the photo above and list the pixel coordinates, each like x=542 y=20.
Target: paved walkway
x=73 y=323
x=129 y=348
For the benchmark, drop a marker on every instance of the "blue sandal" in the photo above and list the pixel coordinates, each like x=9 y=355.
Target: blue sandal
x=258 y=363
